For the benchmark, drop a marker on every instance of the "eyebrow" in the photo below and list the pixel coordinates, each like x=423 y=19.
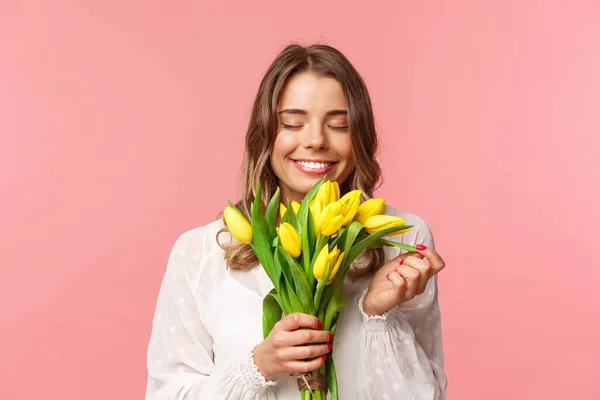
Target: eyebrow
x=304 y=112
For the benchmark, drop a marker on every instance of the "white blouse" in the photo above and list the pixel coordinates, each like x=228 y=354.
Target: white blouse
x=209 y=318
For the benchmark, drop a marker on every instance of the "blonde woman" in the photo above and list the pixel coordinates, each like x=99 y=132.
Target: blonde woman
x=312 y=117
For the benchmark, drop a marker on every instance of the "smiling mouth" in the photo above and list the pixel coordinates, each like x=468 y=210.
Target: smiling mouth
x=314 y=165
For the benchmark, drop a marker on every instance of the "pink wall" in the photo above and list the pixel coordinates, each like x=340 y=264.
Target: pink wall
x=114 y=117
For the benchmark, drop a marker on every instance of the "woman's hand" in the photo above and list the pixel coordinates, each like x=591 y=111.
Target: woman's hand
x=282 y=353
x=401 y=279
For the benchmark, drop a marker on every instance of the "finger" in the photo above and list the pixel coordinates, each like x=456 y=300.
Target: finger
x=304 y=352
x=437 y=262
x=396 y=278
x=412 y=278
x=298 y=320
x=425 y=269
x=304 y=366
x=303 y=336
x=403 y=256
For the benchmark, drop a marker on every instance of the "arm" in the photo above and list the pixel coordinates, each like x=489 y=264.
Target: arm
x=402 y=351
x=180 y=360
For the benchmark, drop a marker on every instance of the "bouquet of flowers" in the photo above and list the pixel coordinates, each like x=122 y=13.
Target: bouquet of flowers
x=307 y=257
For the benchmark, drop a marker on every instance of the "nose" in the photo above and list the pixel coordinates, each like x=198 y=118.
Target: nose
x=315 y=137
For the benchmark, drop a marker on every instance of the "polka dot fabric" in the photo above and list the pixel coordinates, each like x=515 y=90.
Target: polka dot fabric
x=208 y=319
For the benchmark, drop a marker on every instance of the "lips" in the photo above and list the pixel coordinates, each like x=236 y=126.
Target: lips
x=314 y=167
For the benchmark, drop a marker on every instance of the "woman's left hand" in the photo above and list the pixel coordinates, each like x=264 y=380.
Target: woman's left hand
x=401 y=279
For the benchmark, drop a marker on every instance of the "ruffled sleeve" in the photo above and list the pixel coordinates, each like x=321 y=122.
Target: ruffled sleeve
x=401 y=352
x=180 y=358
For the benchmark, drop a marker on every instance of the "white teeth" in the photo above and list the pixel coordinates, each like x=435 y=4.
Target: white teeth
x=314 y=165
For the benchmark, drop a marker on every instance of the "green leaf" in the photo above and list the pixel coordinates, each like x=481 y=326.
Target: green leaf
x=383 y=242
x=234 y=207
x=271 y=214
x=302 y=290
x=285 y=268
x=295 y=303
x=363 y=244
x=272 y=310
x=307 y=235
x=335 y=304
x=350 y=235
x=283 y=296
x=261 y=244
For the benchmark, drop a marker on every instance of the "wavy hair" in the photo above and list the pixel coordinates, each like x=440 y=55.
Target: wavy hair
x=326 y=61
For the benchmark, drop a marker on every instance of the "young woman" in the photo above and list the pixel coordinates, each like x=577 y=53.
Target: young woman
x=312 y=117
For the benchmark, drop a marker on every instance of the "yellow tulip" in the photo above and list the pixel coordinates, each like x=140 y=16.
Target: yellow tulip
x=375 y=206
x=350 y=203
x=330 y=220
x=239 y=227
x=295 y=206
x=283 y=209
x=328 y=193
x=290 y=240
x=377 y=223
x=323 y=259
x=335 y=267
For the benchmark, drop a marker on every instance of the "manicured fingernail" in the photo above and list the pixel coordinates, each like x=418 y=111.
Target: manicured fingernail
x=330 y=346
x=324 y=358
x=402 y=261
x=319 y=325
x=330 y=336
x=420 y=247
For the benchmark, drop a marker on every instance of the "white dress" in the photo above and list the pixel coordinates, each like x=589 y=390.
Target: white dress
x=208 y=319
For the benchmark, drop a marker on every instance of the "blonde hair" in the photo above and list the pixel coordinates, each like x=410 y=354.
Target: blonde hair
x=262 y=128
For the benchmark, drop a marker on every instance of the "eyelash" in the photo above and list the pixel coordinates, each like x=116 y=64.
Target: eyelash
x=335 y=128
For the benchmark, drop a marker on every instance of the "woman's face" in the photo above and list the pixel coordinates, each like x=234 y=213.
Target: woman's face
x=313 y=138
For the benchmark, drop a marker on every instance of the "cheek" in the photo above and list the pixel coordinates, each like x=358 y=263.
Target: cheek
x=284 y=145
x=345 y=149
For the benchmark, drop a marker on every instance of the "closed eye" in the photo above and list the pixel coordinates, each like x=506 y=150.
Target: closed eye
x=292 y=126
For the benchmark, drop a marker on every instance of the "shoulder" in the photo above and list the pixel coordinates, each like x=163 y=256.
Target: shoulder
x=197 y=246
x=420 y=233
x=203 y=235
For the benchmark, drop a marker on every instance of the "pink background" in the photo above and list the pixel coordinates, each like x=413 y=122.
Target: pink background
x=122 y=123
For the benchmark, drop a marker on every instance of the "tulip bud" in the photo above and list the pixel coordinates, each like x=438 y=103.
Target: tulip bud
x=335 y=267
x=328 y=192
x=290 y=240
x=295 y=206
x=283 y=209
x=238 y=226
x=320 y=264
x=350 y=203
x=330 y=219
x=380 y=222
x=374 y=206
x=324 y=258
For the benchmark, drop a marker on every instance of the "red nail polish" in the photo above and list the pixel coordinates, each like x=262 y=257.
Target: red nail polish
x=330 y=346
x=319 y=325
x=324 y=358
x=402 y=261
x=330 y=337
x=420 y=247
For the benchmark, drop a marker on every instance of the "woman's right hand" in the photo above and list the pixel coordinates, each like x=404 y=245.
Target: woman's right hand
x=282 y=353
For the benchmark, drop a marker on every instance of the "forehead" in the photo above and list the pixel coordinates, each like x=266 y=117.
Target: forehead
x=313 y=93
